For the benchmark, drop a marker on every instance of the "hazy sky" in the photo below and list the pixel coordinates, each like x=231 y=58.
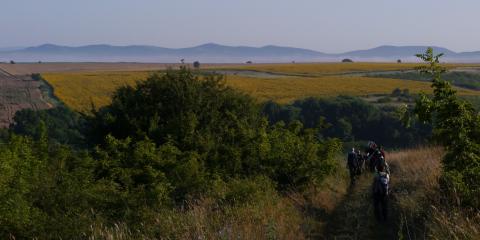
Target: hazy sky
x=324 y=25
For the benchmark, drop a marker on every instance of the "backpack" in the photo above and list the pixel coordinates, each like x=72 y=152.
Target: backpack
x=381 y=184
x=352 y=160
x=380 y=161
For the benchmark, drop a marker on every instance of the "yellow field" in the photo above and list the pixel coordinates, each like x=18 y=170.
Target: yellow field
x=316 y=69
x=80 y=90
x=284 y=90
x=325 y=68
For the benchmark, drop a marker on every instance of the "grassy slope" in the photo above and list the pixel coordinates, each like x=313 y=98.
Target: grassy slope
x=415 y=209
x=332 y=211
x=292 y=215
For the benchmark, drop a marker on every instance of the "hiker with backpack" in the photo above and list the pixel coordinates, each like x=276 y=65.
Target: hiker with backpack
x=382 y=150
x=379 y=160
x=361 y=162
x=382 y=164
x=380 y=190
x=352 y=165
x=371 y=156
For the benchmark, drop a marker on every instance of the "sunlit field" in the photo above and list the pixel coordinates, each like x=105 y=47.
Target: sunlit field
x=326 y=68
x=80 y=90
x=318 y=69
x=284 y=90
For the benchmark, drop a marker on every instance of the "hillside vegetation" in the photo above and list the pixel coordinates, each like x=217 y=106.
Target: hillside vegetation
x=154 y=152
x=182 y=155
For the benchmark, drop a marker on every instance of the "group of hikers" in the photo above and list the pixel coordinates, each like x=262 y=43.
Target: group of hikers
x=372 y=160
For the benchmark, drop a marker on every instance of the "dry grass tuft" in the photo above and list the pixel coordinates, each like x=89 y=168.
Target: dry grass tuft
x=417 y=167
x=293 y=215
x=277 y=219
x=418 y=198
x=305 y=214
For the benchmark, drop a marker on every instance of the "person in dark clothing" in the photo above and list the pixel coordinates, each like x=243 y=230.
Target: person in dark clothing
x=370 y=148
x=380 y=190
x=352 y=165
x=382 y=164
x=361 y=162
x=371 y=158
x=382 y=151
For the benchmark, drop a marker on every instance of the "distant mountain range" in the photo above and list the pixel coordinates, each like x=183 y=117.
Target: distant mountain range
x=215 y=53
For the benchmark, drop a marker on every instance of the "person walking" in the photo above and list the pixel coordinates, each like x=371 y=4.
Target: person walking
x=352 y=165
x=380 y=190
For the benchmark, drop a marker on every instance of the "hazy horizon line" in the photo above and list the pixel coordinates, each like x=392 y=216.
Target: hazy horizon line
x=3 y=48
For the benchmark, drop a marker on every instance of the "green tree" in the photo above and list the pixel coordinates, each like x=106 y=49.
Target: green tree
x=456 y=125
x=217 y=131
x=196 y=64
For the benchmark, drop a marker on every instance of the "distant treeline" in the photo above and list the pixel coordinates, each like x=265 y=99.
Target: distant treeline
x=350 y=119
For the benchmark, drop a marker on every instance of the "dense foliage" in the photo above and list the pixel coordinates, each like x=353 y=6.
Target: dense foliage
x=61 y=124
x=456 y=125
x=170 y=140
x=178 y=138
x=350 y=119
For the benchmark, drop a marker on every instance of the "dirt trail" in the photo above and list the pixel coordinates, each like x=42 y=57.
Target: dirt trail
x=354 y=217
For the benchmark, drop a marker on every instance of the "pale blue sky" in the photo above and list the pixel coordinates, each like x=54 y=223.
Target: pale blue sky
x=324 y=25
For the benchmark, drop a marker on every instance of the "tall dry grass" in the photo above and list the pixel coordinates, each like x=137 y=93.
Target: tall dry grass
x=291 y=215
x=423 y=211
x=416 y=203
x=208 y=220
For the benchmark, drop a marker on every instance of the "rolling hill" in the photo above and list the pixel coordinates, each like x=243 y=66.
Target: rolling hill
x=216 y=53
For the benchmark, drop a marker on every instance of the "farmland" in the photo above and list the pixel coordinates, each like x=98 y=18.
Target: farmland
x=284 y=90
x=322 y=69
x=80 y=89
x=16 y=93
x=28 y=68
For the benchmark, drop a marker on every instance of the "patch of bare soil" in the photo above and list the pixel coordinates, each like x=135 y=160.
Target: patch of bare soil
x=17 y=93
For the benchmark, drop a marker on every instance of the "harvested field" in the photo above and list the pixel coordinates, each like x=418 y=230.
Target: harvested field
x=16 y=93
x=28 y=68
